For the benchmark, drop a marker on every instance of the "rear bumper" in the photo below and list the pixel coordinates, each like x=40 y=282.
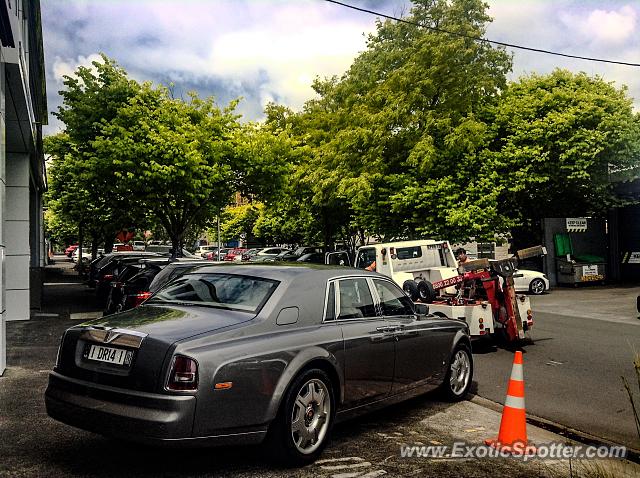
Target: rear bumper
x=134 y=416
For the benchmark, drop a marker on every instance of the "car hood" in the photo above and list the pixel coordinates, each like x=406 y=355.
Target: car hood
x=173 y=323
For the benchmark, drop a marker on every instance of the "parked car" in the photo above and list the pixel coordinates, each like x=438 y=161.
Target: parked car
x=149 y=280
x=108 y=272
x=202 y=251
x=248 y=353
x=213 y=256
x=166 y=250
x=139 y=245
x=533 y=282
x=291 y=256
x=234 y=254
x=86 y=254
x=249 y=253
x=134 y=276
x=99 y=263
x=312 y=258
x=268 y=254
x=70 y=250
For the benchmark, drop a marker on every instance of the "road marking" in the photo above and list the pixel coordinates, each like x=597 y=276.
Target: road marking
x=86 y=316
x=345 y=467
x=335 y=460
x=554 y=363
x=373 y=474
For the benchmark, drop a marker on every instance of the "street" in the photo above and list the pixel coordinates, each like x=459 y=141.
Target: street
x=572 y=371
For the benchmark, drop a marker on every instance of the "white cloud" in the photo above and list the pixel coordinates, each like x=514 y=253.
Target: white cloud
x=611 y=27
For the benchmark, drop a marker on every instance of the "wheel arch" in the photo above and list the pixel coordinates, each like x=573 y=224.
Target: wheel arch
x=309 y=359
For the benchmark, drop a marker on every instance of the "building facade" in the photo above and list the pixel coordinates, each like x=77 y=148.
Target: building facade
x=22 y=174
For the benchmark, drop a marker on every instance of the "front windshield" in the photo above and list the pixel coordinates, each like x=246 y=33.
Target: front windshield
x=228 y=291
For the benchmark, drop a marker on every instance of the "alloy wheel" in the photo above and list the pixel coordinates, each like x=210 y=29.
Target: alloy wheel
x=310 y=416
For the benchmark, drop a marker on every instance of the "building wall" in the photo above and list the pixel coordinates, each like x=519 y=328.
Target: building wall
x=16 y=236
x=3 y=148
x=22 y=182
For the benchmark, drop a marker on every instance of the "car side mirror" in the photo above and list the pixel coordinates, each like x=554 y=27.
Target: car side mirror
x=422 y=309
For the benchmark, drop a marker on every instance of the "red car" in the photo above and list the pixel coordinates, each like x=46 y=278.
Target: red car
x=233 y=253
x=71 y=249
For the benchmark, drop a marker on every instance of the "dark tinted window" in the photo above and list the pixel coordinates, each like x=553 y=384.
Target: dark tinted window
x=229 y=291
x=392 y=300
x=330 y=313
x=355 y=299
x=409 y=252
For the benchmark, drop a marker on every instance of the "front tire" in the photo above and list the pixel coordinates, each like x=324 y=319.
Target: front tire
x=457 y=380
x=301 y=429
x=537 y=286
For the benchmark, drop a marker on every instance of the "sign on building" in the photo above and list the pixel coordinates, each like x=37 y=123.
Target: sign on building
x=576 y=224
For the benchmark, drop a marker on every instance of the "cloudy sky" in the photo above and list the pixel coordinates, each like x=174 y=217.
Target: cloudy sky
x=270 y=50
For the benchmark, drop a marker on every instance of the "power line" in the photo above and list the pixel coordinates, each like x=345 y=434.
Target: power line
x=480 y=39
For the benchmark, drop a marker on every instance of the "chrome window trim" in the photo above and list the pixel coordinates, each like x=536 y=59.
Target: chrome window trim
x=336 y=291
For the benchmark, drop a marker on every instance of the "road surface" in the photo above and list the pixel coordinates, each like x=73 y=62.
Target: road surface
x=573 y=370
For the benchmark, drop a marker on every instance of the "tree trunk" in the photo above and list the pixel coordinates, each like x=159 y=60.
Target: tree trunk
x=108 y=243
x=95 y=238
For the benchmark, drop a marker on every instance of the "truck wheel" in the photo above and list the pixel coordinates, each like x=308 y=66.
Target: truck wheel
x=426 y=291
x=411 y=289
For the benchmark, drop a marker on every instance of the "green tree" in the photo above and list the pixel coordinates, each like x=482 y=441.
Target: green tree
x=555 y=140
x=394 y=142
x=88 y=192
x=176 y=157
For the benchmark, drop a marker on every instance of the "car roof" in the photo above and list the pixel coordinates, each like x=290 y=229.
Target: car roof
x=284 y=272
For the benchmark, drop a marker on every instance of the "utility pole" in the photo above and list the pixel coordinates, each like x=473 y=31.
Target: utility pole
x=218 y=221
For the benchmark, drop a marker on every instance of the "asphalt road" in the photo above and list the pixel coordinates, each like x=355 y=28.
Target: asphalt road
x=573 y=369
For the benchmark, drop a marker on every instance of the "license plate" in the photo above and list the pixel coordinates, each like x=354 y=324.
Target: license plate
x=109 y=355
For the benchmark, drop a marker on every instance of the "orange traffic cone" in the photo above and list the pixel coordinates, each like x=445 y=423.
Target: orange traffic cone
x=512 y=437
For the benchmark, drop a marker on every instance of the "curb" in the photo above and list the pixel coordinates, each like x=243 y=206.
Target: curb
x=633 y=454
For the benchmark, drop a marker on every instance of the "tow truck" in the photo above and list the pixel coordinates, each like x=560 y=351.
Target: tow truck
x=480 y=292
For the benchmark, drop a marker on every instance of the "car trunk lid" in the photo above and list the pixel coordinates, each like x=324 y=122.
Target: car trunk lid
x=132 y=350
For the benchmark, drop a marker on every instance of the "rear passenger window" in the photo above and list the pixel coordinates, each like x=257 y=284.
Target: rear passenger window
x=355 y=299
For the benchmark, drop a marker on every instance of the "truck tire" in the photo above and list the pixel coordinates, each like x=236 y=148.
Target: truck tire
x=411 y=289
x=426 y=292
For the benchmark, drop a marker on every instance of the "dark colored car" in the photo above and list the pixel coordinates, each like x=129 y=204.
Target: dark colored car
x=312 y=257
x=128 y=287
x=290 y=256
x=148 y=281
x=112 y=269
x=233 y=354
x=99 y=263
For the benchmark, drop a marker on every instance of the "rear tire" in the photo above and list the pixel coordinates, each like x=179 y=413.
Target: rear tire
x=426 y=292
x=301 y=429
x=457 y=380
x=537 y=286
x=411 y=289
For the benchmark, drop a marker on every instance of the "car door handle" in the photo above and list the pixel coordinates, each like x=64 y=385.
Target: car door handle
x=386 y=329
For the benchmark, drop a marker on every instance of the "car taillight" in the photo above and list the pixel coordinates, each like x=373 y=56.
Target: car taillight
x=107 y=277
x=183 y=375
x=140 y=298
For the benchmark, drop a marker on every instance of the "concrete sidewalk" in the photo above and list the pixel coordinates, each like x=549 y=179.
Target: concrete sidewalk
x=34 y=445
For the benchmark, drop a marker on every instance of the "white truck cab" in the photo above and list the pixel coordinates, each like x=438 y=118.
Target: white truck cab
x=430 y=260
